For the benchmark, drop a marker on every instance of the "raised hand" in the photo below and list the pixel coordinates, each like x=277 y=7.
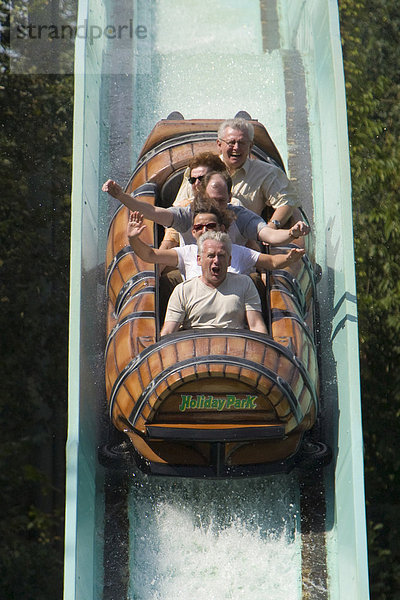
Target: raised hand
x=299 y=229
x=135 y=224
x=294 y=255
x=113 y=188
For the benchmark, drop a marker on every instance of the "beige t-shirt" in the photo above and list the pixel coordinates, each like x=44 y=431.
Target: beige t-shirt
x=195 y=304
x=258 y=184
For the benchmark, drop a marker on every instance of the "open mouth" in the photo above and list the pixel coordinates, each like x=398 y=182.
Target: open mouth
x=235 y=157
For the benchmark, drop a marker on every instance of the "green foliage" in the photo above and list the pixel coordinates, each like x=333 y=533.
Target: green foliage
x=35 y=140
x=370 y=37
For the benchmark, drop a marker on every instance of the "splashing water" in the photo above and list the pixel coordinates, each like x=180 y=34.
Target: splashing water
x=214 y=540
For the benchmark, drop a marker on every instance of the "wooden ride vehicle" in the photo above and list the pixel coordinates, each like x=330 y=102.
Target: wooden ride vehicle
x=205 y=402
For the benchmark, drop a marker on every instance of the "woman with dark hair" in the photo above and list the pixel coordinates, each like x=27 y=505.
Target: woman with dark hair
x=198 y=167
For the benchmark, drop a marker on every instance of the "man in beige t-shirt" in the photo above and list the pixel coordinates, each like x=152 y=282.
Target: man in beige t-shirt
x=216 y=298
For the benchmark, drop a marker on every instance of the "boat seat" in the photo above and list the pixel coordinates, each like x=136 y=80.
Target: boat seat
x=170 y=188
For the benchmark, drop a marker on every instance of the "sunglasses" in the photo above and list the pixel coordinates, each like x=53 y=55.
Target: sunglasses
x=191 y=180
x=200 y=226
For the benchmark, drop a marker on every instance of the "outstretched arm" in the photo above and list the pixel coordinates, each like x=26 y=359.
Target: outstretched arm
x=279 y=261
x=255 y=321
x=282 y=214
x=283 y=236
x=144 y=251
x=159 y=215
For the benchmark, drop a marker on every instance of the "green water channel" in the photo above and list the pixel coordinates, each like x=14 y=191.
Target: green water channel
x=158 y=539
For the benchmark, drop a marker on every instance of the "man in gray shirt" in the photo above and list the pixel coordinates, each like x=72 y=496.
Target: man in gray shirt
x=250 y=225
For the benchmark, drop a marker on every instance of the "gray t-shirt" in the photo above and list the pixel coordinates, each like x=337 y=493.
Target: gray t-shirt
x=247 y=222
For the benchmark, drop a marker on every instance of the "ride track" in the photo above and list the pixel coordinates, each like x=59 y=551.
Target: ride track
x=289 y=56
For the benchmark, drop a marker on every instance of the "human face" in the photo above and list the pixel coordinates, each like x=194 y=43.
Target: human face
x=198 y=172
x=217 y=190
x=204 y=219
x=214 y=262
x=235 y=147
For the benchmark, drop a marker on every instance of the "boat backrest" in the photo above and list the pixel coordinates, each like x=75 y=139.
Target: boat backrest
x=170 y=188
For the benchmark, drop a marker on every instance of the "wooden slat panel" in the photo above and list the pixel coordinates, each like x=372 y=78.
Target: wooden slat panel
x=162 y=389
x=202 y=346
x=236 y=346
x=165 y=129
x=139 y=179
x=155 y=363
x=122 y=405
x=146 y=412
x=202 y=369
x=134 y=385
x=189 y=374
x=186 y=349
x=218 y=346
x=160 y=167
x=117 y=238
x=232 y=371
x=145 y=374
x=168 y=356
x=180 y=155
x=174 y=378
x=138 y=303
x=140 y=286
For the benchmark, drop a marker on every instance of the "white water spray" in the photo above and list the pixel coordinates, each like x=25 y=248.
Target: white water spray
x=214 y=540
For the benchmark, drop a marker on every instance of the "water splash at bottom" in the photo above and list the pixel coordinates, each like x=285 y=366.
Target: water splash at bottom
x=214 y=540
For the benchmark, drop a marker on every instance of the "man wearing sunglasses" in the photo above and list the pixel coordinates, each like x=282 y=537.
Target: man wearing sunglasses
x=215 y=298
x=207 y=217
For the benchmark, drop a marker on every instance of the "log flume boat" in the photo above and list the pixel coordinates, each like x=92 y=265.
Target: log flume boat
x=206 y=403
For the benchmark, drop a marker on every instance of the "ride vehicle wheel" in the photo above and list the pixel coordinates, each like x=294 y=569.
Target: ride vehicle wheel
x=115 y=456
x=314 y=455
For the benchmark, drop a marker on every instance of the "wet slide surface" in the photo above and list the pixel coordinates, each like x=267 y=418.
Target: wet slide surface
x=131 y=536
